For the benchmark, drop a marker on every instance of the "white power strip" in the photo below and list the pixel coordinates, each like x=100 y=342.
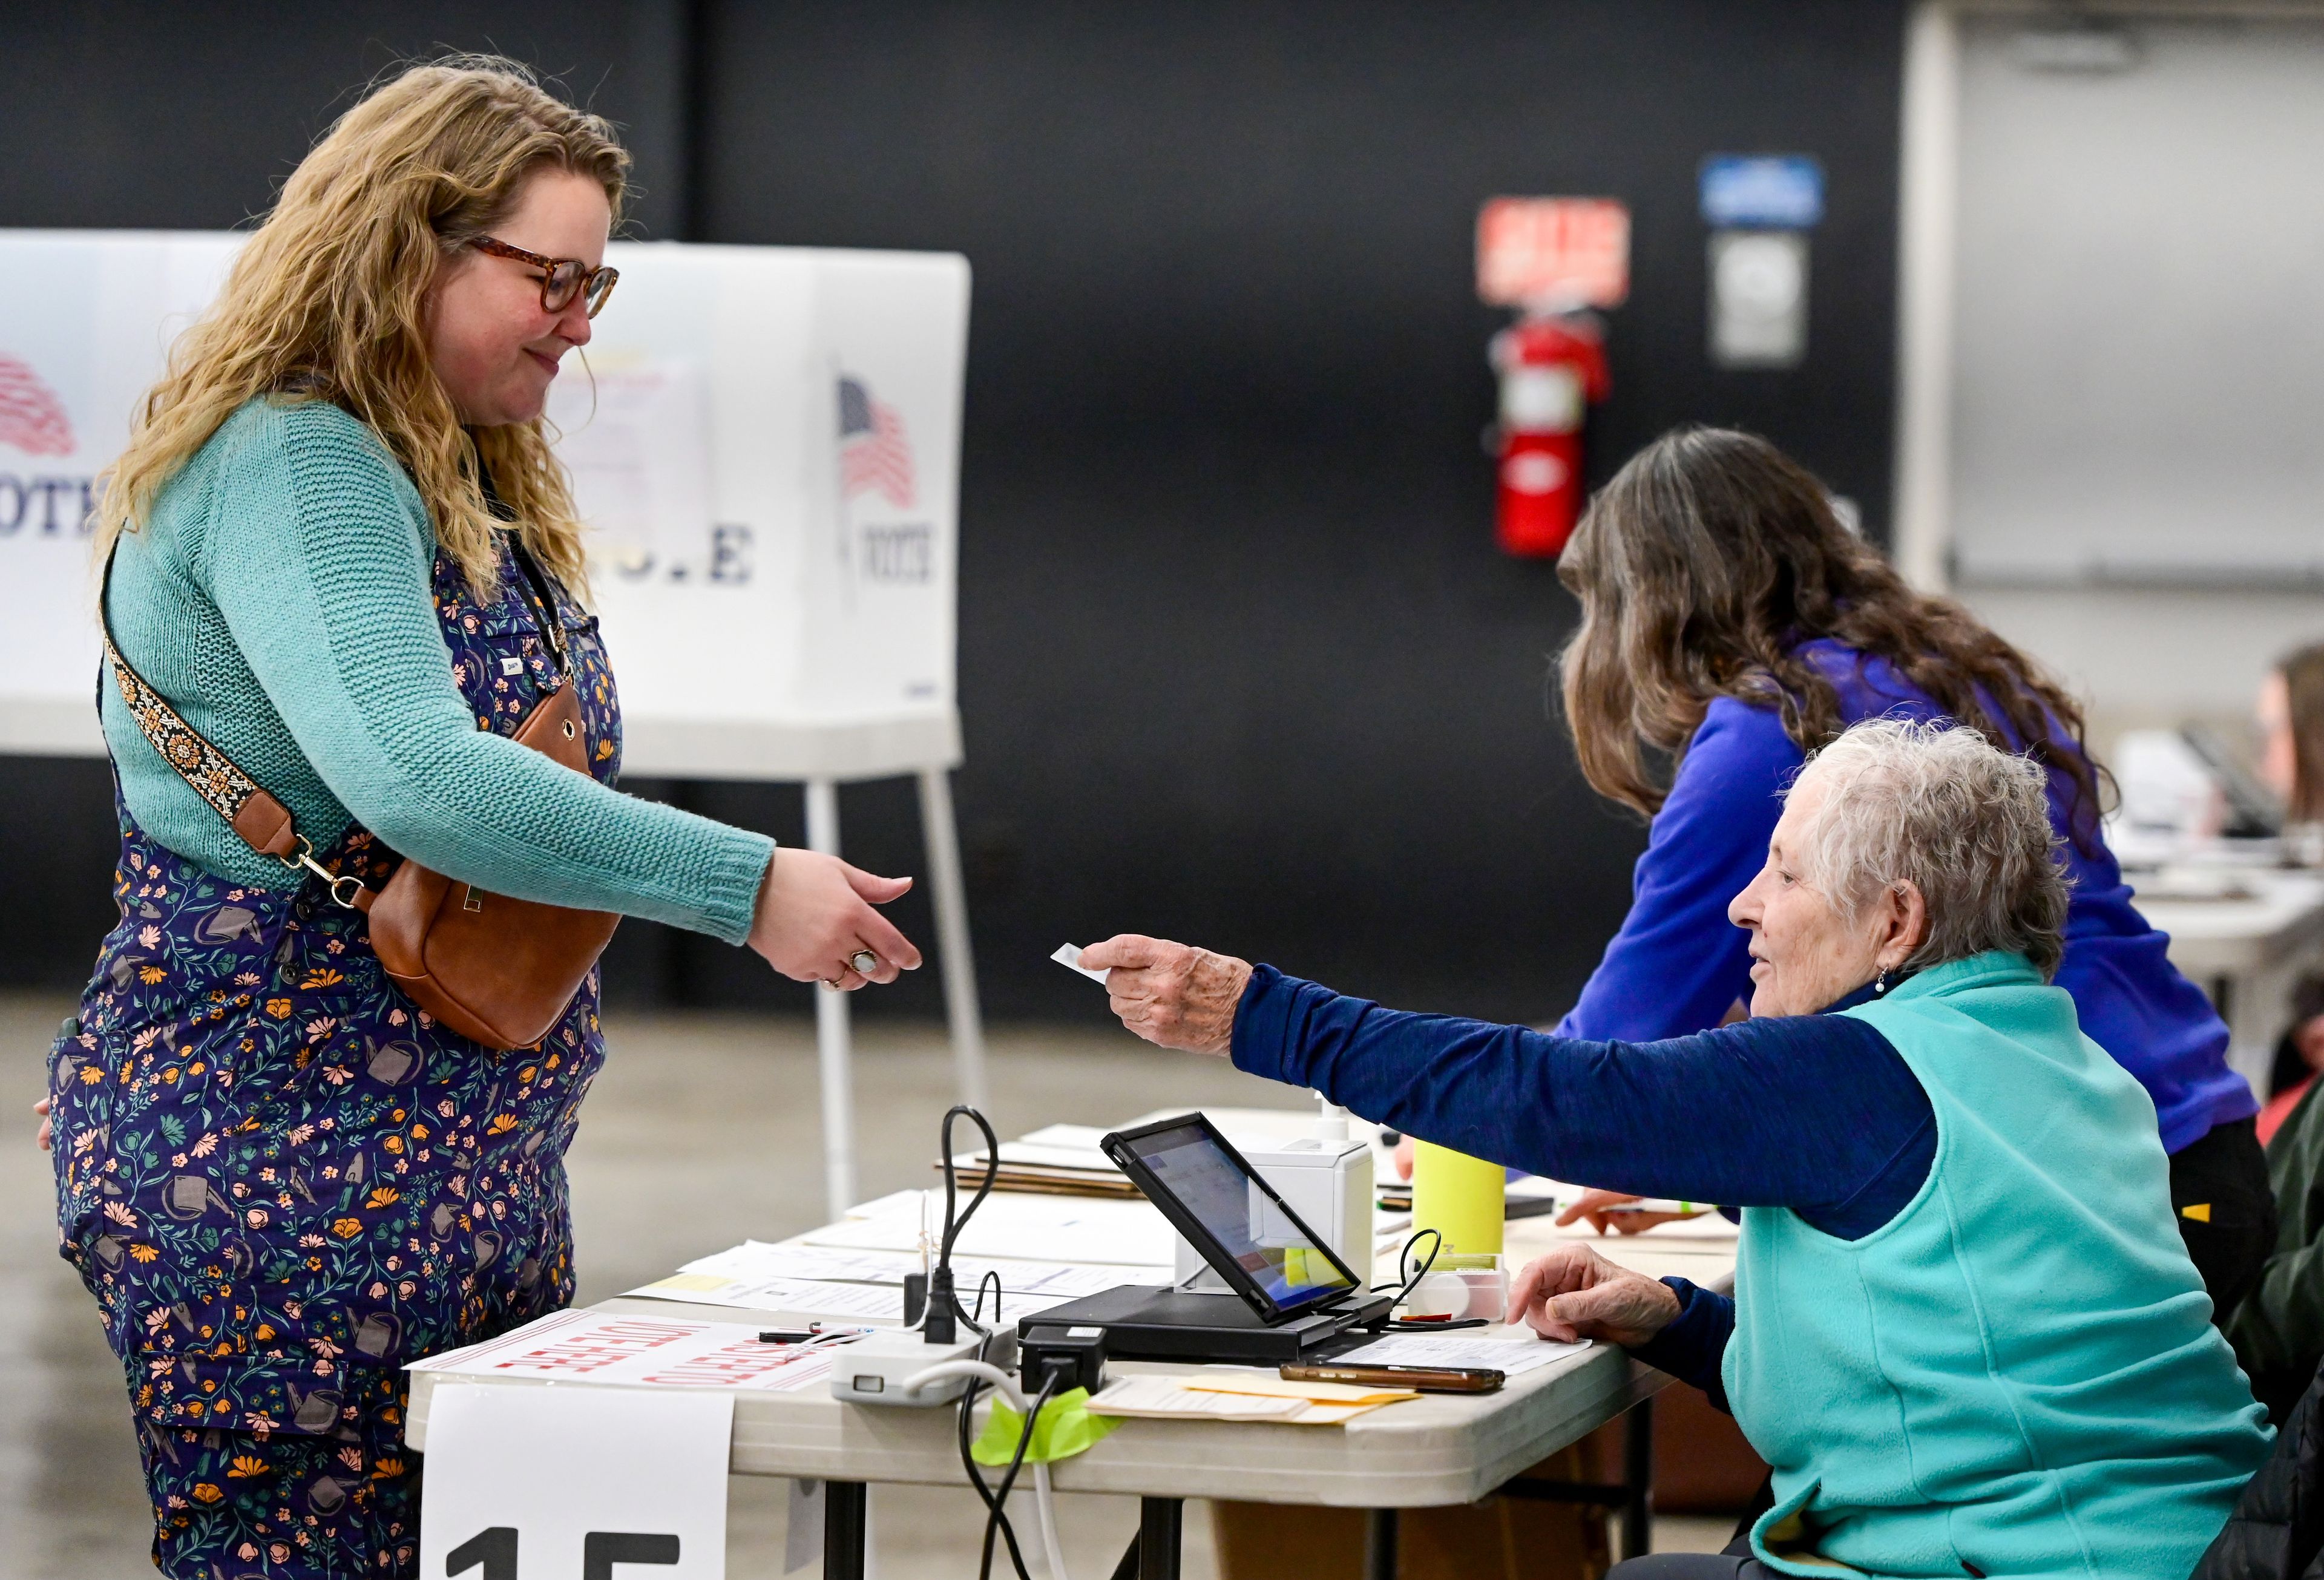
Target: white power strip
x=873 y=1370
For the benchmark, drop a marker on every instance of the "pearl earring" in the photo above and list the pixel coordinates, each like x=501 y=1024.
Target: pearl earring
x=1880 y=983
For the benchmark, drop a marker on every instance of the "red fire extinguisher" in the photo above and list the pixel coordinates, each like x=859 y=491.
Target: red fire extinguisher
x=1552 y=367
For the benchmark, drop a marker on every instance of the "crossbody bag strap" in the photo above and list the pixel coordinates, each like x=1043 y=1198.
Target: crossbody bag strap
x=548 y=616
x=263 y=823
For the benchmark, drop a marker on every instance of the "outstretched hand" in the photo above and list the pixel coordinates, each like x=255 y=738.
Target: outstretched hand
x=1172 y=994
x=815 y=912
x=1595 y=1206
x=1575 y=1293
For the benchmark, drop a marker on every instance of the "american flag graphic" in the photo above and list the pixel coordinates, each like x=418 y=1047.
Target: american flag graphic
x=31 y=418
x=873 y=454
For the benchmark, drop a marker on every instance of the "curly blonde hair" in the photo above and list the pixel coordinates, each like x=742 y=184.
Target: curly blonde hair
x=328 y=299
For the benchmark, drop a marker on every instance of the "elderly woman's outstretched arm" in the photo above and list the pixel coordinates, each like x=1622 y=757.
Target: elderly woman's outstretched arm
x=1814 y=1113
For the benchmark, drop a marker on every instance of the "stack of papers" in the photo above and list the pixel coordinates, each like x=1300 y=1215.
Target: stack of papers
x=639 y=1352
x=1058 y=1160
x=1032 y=1228
x=816 y=1281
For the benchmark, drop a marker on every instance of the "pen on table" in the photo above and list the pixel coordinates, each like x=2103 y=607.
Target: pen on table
x=809 y=1334
x=1659 y=1204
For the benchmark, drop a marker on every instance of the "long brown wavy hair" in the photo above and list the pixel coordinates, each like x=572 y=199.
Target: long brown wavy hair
x=328 y=300
x=2303 y=686
x=1702 y=567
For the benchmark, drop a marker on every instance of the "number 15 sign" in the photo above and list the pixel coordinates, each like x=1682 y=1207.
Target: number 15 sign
x=574 y=1483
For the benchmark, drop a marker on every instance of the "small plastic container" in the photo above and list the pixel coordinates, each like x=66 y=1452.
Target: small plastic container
x=1461 y=1285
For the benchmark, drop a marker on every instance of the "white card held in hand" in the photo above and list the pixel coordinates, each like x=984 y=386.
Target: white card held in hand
x=1069 y=955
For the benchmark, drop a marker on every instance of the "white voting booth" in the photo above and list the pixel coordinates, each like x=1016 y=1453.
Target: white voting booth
x=767 y=443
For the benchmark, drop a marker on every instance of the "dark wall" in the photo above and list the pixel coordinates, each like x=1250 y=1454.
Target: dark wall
x=1237 y=660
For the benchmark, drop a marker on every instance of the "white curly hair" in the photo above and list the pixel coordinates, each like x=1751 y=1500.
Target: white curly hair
x=1940 y=807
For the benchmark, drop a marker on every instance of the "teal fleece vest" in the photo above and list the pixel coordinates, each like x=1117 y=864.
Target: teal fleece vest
x=2017 y=1375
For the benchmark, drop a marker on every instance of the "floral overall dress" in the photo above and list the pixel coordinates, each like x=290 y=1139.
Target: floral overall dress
x=282 y=1181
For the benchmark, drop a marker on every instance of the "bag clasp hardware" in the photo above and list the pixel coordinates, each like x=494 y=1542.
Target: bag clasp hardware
x=331 y=880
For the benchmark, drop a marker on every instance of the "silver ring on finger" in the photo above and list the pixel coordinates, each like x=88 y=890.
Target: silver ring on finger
x=864 y=962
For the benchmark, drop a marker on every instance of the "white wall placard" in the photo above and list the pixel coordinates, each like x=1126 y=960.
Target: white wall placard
x=554 y=1483
x=765 y=440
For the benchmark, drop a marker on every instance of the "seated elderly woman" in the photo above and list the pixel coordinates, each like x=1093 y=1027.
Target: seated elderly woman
x=1965 y=1333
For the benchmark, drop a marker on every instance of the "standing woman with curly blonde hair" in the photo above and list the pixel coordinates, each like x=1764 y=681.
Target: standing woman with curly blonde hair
x=340 y=555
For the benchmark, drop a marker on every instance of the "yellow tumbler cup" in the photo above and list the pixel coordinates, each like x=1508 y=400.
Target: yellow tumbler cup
x=1457 y=1195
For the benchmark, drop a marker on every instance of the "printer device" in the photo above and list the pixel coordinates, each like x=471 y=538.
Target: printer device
x=1283 y=1291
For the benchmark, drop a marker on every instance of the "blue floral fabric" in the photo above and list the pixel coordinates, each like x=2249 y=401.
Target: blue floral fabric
x=282 y=1181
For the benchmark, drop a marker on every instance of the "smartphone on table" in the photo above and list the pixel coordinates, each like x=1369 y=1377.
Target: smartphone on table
x=1425 y=1379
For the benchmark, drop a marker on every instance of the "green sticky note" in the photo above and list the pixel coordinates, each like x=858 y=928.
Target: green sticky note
x=1066 y=1429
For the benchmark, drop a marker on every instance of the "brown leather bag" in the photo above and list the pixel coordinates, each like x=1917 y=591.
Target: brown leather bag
x=499 y=970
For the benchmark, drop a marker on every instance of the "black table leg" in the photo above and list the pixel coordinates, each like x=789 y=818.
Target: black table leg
x=1638 y=1480
x=1380 y=1544
x=844 y=1505
x=1159 y=1522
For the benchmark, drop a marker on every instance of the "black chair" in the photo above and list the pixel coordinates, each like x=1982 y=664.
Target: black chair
x=2277 y=1530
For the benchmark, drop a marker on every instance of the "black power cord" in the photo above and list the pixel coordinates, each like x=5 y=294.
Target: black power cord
x=995 y=1515
x=1008 y=1479
x=941 y=1323
x=1412 y=1277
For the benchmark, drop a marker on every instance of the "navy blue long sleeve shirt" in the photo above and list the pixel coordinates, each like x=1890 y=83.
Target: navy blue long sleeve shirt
x=1818 y=1114
x=1677 y=964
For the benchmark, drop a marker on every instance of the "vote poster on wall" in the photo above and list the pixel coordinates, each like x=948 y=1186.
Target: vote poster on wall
x=764 y=441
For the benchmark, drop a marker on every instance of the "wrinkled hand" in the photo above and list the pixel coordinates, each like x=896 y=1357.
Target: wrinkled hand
x=1172 y=994
x=48 y=1125
x=1575 y=1293
x=815 y=911
x=1594 y=1206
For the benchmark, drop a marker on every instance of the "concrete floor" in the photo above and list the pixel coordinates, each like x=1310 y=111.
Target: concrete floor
x=702 y=1131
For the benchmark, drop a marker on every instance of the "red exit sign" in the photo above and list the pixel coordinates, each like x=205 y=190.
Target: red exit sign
x=1555 y=252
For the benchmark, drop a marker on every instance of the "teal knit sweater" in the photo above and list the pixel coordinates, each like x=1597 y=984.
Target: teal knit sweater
x=279 y=599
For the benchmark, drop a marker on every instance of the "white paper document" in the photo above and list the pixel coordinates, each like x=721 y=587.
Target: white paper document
x=575 y=1481
x=1038 y=1228
x=639 y=1351
x=1170 y=1397
x=879 y=1304
x=1515 y=1357
x=790 y=1260
x=1163 y=1396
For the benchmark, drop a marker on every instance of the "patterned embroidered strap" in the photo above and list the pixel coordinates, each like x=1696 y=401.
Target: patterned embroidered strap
x=263 y=822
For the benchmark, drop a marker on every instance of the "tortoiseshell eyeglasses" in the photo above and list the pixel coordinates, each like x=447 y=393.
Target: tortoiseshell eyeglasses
x=561 y=279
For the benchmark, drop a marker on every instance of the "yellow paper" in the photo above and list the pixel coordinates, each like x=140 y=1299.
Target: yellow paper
x=1244 y=1380
x=693 y=1282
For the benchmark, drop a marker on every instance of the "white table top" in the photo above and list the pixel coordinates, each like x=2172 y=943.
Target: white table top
x=2224 y=937
x=1437 y=1449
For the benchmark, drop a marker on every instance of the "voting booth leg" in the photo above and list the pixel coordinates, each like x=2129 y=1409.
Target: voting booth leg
x=941 y=832
x=833 y=1058
x=1380 y=1544
x=846 y=1508
x=1159 y=1522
